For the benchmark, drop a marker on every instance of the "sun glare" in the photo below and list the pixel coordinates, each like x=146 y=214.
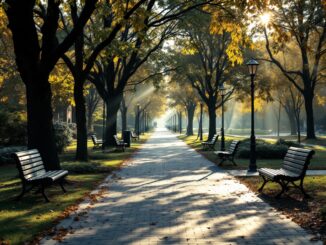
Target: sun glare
x=265 y=18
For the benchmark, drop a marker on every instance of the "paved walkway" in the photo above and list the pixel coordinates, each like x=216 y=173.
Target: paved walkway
x=169 y=194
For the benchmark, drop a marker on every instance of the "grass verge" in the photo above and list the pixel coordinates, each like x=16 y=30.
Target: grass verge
x=318 y=161
x=308 y=213
x=24 y=220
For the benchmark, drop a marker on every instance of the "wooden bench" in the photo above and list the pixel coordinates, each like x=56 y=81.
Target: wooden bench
x=120 y=143
x=134 y=136
x=228 y=155
x=32 y=172
x=294 y=168
x=210 y=144
x=97 y=143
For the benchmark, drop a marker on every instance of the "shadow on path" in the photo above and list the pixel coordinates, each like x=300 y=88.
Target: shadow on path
x=169 y=194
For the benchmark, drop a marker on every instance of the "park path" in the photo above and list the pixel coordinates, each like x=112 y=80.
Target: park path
x=169 y=194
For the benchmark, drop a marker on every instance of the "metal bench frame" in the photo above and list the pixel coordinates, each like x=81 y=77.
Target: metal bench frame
x=120 y=143
x=209 y=145
x=228 y=155
x=295 y=165
x=134 y=135
x=32 y=172
x=97 y=143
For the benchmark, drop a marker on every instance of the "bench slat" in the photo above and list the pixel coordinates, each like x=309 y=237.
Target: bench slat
x=296 y=156
x=297 y=149
x=298 y=153
x=27 y=157
x=294 y=161
x=33 y=170
x=35 y=174
x=32 y=165
x=299 y=166
x=30 y=161
x=292 y=169
x=27 y=152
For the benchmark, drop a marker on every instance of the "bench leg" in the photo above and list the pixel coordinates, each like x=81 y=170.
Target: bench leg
x=22 y=193
x=223 y=160
x=284 y=187
x=302 y=190
x=43 y=193
x=232 y=160
x=262 y=186
x=62 y=187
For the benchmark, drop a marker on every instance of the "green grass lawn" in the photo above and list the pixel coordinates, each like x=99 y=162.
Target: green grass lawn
x=21 y=221
x=318 y=161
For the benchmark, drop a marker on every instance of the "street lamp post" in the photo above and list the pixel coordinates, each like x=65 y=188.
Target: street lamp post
x=138 y=119
x=201 y=123
x=180 y=122
x=222 y=92
x=146 y=121
x=175 y=122
x=252 y=66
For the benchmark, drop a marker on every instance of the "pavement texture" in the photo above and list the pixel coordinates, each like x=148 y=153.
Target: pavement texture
x=169 y=194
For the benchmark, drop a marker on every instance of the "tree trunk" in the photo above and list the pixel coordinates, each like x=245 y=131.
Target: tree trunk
x=292 y=121
x=212 y=120
x=136 y=122
x=279 y=120
x=308 y=99
x=90 y=121
x=81 y=152
x=190 y=125
x=123 y=110
x=39 y=123
x=299 y=130
x=112 y=106
x=124 y=119
x=35 y=77
x=111 y=126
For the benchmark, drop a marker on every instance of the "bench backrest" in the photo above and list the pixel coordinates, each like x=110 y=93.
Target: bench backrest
x=133 y=134
x=94 y=139
x=214 y=139
x=297 y=160
x=29 y=164
x=234 y=146
x=117 y=141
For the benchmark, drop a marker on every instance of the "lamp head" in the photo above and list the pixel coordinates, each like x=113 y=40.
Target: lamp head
x=252 y=66
x=221 y=89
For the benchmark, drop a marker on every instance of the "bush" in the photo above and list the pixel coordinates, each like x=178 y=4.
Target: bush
x=246 y=131
x=5 y=154
x=63 y=135
x=13 y=128
x=287 y=143
x=264 y=150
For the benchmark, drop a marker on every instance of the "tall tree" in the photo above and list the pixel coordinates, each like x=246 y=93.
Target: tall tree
x=115 y=71
x=303 y=23
x=36 y=56
x=206 y=63
x=184 y=96
x=110 y=19
x=92 y=103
